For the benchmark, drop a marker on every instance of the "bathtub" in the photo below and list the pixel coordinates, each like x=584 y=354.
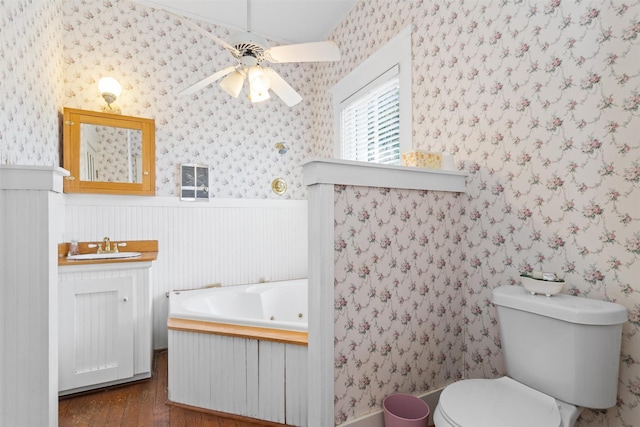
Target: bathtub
x=241 y=350
x=276 y=305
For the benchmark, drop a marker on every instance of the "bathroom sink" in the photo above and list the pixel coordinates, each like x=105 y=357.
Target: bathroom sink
x=104 y=256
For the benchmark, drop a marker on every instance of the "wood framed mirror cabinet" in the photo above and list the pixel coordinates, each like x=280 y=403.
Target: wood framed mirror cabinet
x=108 y=153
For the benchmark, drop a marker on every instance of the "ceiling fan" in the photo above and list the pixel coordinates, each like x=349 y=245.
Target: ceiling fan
x=251 y=52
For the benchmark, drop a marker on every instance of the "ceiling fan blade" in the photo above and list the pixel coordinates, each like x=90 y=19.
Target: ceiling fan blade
x=281 y=88
x=304 y=52
x=206 y=33
x=207 y=81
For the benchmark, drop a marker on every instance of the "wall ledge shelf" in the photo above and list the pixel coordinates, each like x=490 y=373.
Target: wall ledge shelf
x=30 y=177
x=347 y=172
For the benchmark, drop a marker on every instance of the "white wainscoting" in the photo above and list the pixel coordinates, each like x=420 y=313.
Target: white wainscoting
x=227 y=241
x=30 y=212
x=254 y=378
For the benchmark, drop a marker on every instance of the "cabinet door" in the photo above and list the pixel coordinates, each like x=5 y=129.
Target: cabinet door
x=95 y=331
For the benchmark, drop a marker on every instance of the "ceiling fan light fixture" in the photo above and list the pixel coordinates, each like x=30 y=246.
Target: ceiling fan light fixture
x=232 y=84
x=258 y=95
x=251 y=51
x=259 y=84
x=258 y=79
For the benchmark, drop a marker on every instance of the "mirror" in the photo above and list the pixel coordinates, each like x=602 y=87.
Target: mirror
x=111 y=154
x=107 y=153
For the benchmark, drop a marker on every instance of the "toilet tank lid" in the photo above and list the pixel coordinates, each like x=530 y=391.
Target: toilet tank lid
x=568 y=308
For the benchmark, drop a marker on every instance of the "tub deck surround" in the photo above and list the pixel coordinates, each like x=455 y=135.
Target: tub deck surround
x=238 y=331
x=255 y=378
x=148 y=252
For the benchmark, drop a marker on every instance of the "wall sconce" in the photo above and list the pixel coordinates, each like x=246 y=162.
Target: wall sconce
x=110 y=89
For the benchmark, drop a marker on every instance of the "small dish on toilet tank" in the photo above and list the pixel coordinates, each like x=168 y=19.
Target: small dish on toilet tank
x=541 y=286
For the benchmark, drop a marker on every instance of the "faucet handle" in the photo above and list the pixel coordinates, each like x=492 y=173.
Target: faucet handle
x=94 y=245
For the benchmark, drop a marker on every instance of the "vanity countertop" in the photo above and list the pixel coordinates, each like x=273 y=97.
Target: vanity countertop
x=148 y=252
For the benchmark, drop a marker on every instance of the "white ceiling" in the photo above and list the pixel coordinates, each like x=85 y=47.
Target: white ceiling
x=295 y=21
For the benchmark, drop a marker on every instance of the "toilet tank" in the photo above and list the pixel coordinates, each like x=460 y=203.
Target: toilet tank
x=565 y=346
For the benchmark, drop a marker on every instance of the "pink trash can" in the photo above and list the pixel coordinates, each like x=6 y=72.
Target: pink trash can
x=404 y=410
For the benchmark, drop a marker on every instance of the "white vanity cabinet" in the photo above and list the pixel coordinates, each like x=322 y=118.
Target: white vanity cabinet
x=104 y=328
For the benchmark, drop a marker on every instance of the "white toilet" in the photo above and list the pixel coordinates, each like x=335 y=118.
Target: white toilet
x=562 y=354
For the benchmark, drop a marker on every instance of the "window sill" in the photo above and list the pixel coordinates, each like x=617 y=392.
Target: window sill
x=347 y=172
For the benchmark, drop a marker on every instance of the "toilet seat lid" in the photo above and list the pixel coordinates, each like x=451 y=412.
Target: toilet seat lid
x=502 y=402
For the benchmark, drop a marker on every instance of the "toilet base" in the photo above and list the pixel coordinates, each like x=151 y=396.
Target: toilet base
x=569 y=413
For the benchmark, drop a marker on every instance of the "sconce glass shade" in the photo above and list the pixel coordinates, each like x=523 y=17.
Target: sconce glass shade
x=232 y=84
x=259 y=84
x=110 y=89
x=110 y=85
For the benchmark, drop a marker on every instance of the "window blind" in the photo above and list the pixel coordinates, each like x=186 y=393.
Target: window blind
x=370 y=121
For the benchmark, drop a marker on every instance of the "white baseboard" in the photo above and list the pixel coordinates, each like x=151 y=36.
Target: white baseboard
x=376 y=419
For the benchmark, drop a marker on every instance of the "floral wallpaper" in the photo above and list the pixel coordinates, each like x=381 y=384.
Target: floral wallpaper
x=398 y=309
x=30 y=81
x=539 y=101
x=154 y=56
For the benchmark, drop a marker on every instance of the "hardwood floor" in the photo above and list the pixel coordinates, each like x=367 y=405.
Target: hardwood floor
x=142 y=404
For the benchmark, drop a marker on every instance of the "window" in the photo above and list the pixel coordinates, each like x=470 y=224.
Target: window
x=371 y=123
x=372 y=105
